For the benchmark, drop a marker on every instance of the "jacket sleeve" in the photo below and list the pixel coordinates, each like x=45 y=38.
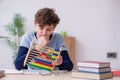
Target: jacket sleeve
x=20 y=58
x=67 y=63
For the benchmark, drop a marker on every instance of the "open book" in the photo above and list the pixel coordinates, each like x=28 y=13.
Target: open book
x=12 y=71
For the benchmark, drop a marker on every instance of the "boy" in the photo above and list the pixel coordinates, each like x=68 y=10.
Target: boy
x=45 y=22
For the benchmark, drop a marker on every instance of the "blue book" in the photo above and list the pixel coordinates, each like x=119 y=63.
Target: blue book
x=96 y=70
x=93 y=72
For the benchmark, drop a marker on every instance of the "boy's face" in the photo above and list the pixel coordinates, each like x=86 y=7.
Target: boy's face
x=45 y=30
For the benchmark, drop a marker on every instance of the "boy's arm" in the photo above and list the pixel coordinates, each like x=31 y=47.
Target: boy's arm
x=67 y=63
x=20 y=58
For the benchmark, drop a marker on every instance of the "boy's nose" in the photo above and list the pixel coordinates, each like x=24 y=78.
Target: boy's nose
x=44 y=32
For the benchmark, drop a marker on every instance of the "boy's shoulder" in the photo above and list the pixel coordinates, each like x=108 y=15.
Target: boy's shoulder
x=29 y=34
x=56 y=34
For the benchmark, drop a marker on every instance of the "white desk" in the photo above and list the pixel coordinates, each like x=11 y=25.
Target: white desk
x=61 y=76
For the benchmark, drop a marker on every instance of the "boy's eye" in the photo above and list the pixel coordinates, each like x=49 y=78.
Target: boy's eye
x=49 y=30
x=41 y=28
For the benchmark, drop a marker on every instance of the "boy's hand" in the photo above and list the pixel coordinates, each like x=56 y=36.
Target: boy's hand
x=58 y=61
x=43 y=40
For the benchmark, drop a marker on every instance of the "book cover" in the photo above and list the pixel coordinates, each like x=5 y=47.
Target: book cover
x=13 y=71
x=97 y=70
x=94 y=64
x=2 y=73
x=28 y=72
x=93 y=72
x=85 y=75
x=116 y=73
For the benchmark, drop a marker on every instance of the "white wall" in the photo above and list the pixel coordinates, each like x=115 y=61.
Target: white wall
x=94 y=23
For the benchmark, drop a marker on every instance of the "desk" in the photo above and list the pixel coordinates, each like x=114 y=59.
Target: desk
x=61 y=76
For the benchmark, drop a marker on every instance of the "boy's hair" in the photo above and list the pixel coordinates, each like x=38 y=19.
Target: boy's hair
x=46 y=16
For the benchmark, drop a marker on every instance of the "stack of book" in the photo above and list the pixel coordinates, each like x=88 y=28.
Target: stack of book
x=92 y=70
x=2 y=73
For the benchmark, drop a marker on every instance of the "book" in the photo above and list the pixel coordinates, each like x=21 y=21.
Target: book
x=116 y=73
x=85 y=75
x=94 y=64
x=93 y=72
x=13 y=71
x=2 y=73
x=36 y=72
x=96 y=70
x=28 y=72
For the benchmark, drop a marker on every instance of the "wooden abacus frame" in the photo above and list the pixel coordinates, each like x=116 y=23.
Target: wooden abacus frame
x=33 y=53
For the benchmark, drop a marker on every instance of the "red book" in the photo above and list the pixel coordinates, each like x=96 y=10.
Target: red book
x=94 y=64
x=116 y=73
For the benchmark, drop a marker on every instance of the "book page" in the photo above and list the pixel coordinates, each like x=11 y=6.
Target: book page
x=12 y=71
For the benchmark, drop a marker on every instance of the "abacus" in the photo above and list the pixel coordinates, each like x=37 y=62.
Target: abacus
x=41 y=58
